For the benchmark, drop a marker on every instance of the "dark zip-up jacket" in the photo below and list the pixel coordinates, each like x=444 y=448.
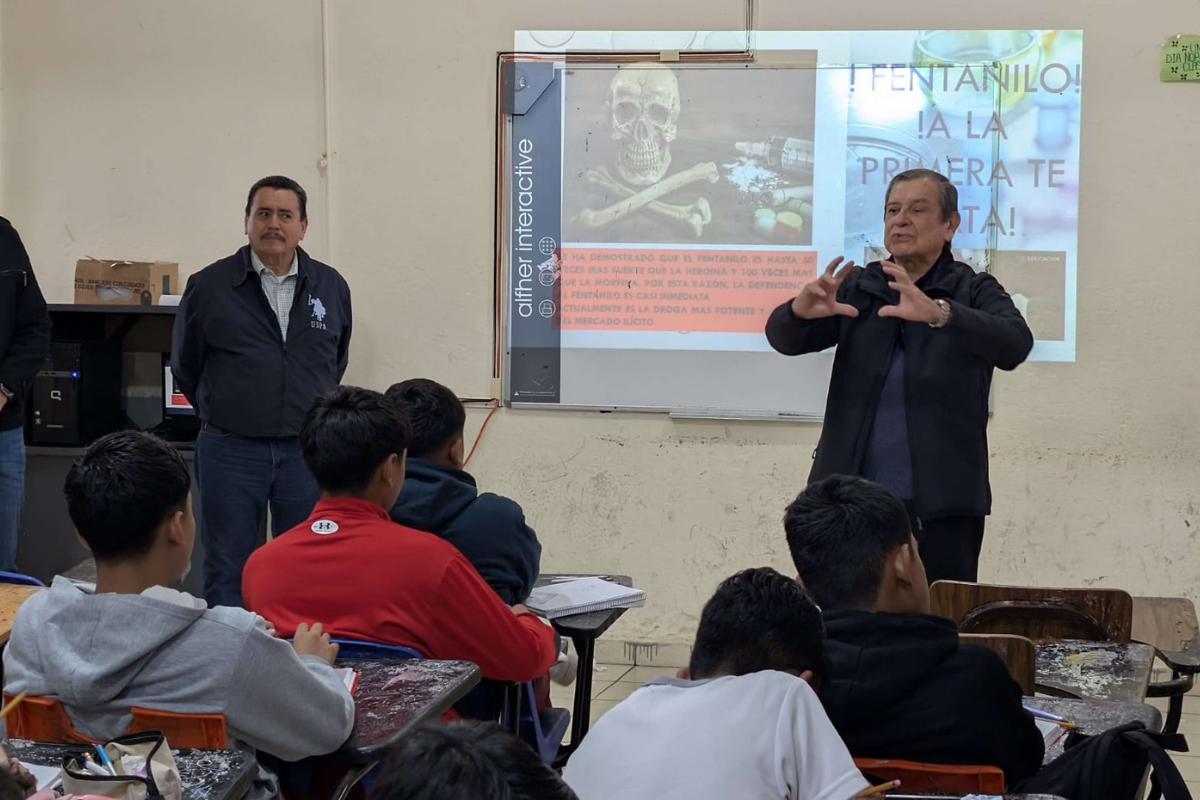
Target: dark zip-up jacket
x=230 y=358
x=24 y=325
x=947 y=377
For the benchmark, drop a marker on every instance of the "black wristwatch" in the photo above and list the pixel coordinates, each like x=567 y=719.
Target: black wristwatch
x=7 y=392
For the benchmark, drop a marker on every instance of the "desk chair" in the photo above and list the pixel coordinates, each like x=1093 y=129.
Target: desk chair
x=1018 y=653
x=43 y=719
x=1042 y=614
x=18 y=578
x=918 y=778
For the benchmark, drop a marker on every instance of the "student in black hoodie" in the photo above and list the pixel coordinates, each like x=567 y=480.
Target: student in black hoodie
x=440 y=498
x=902 y=685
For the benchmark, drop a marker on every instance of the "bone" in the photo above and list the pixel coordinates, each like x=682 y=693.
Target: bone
x=693 y=217
x=593 y=218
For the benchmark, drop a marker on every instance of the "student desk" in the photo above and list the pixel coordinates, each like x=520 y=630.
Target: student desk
x=1095 y=670
x=12 y=595
x=392 y=698
x=206 y=774
x=1094 y=716
x=583 y=630
x=1168 y=624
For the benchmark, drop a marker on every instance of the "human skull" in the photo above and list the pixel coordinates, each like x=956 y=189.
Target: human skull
x=643 y=103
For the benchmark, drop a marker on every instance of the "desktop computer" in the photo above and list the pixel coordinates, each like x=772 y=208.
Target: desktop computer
x=180 y=423
x=76 y=396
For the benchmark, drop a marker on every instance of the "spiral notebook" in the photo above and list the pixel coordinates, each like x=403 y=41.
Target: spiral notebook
x=582 y=596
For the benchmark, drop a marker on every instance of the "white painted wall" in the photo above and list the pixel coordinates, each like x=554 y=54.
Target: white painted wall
x=134 y=128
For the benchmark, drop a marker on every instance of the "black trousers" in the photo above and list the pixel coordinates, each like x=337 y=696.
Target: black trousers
x=950 y=546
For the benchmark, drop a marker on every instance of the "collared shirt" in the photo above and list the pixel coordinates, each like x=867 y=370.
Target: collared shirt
x=280 y=290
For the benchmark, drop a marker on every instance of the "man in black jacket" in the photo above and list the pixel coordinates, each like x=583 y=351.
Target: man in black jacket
x=439 y=497
x=917 y=339
x=902 y=685
x=24 y=345
x=258 y=337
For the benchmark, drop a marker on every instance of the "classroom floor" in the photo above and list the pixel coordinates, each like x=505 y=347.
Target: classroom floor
x=612 y=683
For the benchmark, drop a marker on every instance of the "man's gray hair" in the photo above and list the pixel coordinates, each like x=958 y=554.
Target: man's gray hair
x=947 y=193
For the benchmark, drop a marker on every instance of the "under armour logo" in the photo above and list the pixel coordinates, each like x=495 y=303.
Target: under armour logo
x=324 y=527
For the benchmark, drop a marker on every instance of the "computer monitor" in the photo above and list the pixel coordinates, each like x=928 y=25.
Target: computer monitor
x=174 y=403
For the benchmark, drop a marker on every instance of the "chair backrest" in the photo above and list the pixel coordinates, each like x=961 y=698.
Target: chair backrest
x=1018 y=653
x=1041 y=614
x=356 y=648
x=43 y=719
x=17 y=577
x=917 y=777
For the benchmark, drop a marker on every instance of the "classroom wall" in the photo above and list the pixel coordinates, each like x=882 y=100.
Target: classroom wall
x=133 y=130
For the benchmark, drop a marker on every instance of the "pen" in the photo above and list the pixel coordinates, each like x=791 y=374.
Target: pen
x=1037 y=712
x=880 y=789
x=104 y=760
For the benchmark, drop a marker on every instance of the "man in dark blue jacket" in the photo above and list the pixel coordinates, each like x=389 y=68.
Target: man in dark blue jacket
x=258 y=337
x=442 y=499
x=24 y=344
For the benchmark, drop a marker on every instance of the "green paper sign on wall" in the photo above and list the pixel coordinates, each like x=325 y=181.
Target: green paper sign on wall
x=1180 y=59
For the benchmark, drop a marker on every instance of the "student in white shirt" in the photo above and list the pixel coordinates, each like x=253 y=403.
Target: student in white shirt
x=742 y=721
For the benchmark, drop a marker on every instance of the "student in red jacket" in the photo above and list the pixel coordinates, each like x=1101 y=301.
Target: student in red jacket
x=375 y=580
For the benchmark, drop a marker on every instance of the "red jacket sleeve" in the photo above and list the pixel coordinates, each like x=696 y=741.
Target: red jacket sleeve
x=474 y=624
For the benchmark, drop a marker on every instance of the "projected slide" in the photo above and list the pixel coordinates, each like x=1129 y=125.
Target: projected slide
x=678 y=204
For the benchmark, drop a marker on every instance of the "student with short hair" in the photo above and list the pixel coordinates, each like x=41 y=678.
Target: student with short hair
x=440 y=497
x=467 y=760
x=135 y=642
x=902 y=686
x=741 y=721
x=371 y=579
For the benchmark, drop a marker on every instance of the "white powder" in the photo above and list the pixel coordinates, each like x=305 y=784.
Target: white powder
x=752 y=178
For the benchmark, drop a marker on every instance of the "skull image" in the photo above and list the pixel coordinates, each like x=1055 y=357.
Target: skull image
x=643 y=103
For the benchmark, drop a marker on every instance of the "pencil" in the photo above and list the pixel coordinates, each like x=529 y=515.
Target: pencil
x=12 y=704
x=880 y=789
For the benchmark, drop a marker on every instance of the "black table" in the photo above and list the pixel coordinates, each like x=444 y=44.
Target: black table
x=206 y=774
x=1093 y=716
x=583 y=630
x=1095 y=670
x=392 y=698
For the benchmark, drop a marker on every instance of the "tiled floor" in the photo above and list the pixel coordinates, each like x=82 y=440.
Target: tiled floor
x=612 y=683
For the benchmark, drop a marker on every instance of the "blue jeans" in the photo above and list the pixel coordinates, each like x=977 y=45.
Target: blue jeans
x=12 y=494
x=238 y=478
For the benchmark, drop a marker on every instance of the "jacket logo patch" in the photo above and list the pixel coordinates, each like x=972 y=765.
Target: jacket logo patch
x=324 y=527
x=318 y=320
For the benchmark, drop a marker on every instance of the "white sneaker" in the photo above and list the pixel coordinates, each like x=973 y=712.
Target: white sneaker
x=565 y=669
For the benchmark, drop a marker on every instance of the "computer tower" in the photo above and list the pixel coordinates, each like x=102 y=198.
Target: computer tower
x=76 y=395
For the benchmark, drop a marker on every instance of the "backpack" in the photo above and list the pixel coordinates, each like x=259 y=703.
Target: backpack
x=1112 y=766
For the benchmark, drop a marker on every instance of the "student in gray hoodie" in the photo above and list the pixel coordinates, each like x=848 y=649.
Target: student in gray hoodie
x=134 y=642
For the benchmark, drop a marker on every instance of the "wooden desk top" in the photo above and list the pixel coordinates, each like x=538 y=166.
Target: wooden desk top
x=206 y=774
x=1094 y=716
x=12 y=595
x=395 y=696
x=1168 y=624
x=1095 y=670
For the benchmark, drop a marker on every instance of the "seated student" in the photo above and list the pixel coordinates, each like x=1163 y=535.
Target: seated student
x=374 y=580
x=902 y=685
x=742 y=721
x=466 y=761
x=439 y=497
x=134 y=642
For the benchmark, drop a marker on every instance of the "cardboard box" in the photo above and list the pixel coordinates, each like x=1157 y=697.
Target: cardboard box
x=125 y=283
